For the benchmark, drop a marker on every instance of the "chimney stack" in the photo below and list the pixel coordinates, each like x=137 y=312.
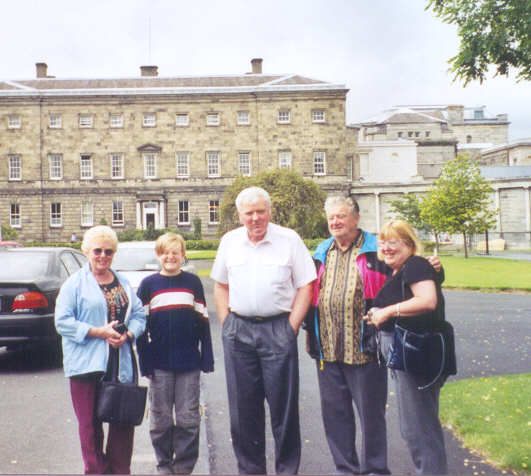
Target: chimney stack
x=42 y=70
x=149 y=70
x=256 y=64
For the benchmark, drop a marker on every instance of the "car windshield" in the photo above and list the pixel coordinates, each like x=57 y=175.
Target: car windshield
x=135 y=259
x=22 y=266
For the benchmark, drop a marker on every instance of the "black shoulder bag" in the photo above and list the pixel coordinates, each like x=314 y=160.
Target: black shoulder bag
x=119 y=402
x=429 y=355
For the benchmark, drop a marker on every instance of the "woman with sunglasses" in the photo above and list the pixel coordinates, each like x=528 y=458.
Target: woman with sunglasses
x=96 y=313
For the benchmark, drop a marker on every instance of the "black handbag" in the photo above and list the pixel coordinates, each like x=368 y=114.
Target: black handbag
x=119 y=402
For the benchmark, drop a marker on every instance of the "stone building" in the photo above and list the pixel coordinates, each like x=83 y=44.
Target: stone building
x=515 y=153
x=152 y=150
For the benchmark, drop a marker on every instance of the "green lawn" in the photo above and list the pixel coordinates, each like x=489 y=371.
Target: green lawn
x=493 y=417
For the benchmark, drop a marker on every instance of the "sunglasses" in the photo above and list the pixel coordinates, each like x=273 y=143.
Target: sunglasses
x=99 y=251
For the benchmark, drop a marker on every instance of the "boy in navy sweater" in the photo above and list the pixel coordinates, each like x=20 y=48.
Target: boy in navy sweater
x=175 y=348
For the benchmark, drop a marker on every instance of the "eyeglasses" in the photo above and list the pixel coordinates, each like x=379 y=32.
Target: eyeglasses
x=393 y=244
x=106 y=251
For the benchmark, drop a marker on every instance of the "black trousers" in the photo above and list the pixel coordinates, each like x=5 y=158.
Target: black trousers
x=261 y=363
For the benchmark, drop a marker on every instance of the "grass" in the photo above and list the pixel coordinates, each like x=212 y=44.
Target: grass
x=491 y=274
x=201 y=254
x=493 y=416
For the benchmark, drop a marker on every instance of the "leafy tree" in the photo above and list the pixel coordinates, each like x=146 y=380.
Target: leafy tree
x=496 y=32
x=296 y=202
x=8 y=233
x=459 y=201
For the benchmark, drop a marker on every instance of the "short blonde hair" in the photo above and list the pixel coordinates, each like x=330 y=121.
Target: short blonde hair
x=99 y=232
x=167 y=241
x=400 y=230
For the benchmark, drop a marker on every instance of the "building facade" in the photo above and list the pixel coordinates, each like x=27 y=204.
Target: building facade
x=155 y=151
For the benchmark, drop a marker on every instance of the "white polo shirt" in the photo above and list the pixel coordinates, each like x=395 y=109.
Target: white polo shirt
x=263 y=278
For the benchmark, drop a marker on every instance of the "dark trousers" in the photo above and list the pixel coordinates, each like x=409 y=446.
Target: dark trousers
x=340 y=384
x=119 y=450
x=261 y=363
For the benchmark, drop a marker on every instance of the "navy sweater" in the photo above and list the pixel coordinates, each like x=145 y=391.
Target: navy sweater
x=177 y=336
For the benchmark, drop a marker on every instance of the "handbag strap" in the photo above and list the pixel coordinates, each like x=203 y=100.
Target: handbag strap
x=111 y=373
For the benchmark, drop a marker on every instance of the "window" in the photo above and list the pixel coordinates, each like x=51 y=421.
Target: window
x=417 y=134
x=117 y=120
x=183 y=217
x=150 y=166
x=85 y=121
x=399 y=134
x=478 y=114
x=87 y=214
x=213 y=211
x=212 y=119
x=182 y=164
x=468 y=139
x=150 y=119
x=244 y=163
x=213 y=164
x=55 y=121
x=14 y=216
x=15 y=168
x=55 y=214
x=85 y=166
x=427 y=133
x=319 y=159
x=117 y=212
x=284 y=159
x=318 y=115
x=13 y=121
x=56 y=166
x=182 y=120
x=284 y=117
x=244 y=118
x=410 y=134
x=117 y=166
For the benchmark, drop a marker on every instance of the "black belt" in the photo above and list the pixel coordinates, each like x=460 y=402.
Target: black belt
x=261 y=318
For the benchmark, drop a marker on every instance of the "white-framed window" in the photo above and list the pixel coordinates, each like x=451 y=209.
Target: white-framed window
x=319 y=162
x=427 y=134
x=15 y=167
x=56 y=166
x=244 y=118
x=212 y=119
x=86 y=121
x=284 y=159
x=213 y=211
x=150 y=165
x=182 y=119
x=182 y=164
x=399 y=134
x=149 y=119
x=13 y=121
x=244 y=163
x=87 y=214
x=117 y=166
x=318 y=115
x=85 y=167
x=284 y=116
x=213 y=164
x=14 y=216
x=117 y=212
x=56 y=217
x=116 y=120
x=55 y=121
x=183 y=216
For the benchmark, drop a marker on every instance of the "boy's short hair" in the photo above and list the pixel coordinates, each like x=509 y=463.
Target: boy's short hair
x=169 y=240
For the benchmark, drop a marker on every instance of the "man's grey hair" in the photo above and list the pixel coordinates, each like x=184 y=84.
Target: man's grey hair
x=250 y=196
x=350 y=202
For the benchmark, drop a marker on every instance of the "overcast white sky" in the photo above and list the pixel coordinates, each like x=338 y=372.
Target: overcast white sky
x=387 y=52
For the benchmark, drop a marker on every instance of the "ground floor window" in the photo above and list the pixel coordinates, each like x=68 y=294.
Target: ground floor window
x=87 y=214
x=183 y=217
x=56 y=217
x=213 y=211
x=117 y=212
x=14 y=218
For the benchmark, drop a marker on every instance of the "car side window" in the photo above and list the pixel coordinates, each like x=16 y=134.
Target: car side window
x=69 y=262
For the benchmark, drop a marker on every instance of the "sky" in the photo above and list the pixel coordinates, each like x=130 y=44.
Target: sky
x=387 y=52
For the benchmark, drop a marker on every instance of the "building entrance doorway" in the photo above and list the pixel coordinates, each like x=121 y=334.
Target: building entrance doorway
x=150 y=214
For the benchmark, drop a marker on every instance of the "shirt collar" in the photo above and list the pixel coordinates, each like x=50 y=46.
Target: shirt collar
x=266 y=239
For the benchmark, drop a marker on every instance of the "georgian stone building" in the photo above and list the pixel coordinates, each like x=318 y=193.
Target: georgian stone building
x=151 y=150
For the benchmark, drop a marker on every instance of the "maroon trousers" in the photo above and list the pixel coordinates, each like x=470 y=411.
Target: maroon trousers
x=119 y=450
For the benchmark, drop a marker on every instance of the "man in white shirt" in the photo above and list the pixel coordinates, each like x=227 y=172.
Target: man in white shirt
x=263 y=274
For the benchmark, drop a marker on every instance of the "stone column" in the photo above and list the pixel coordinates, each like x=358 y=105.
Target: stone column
x=138 y=215
x=162 y=214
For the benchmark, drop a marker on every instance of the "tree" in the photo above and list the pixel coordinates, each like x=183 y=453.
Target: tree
x=459 y=201
x=296 y=202
x=492 y=32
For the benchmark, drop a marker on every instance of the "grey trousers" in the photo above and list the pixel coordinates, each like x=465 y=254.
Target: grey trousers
x=176 y=443
x=366 y=385
x=261 y=363
x=418 y=412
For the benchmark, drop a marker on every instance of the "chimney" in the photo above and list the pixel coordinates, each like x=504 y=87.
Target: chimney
x=149 y=71
x=256 y=64
x=42 y=70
